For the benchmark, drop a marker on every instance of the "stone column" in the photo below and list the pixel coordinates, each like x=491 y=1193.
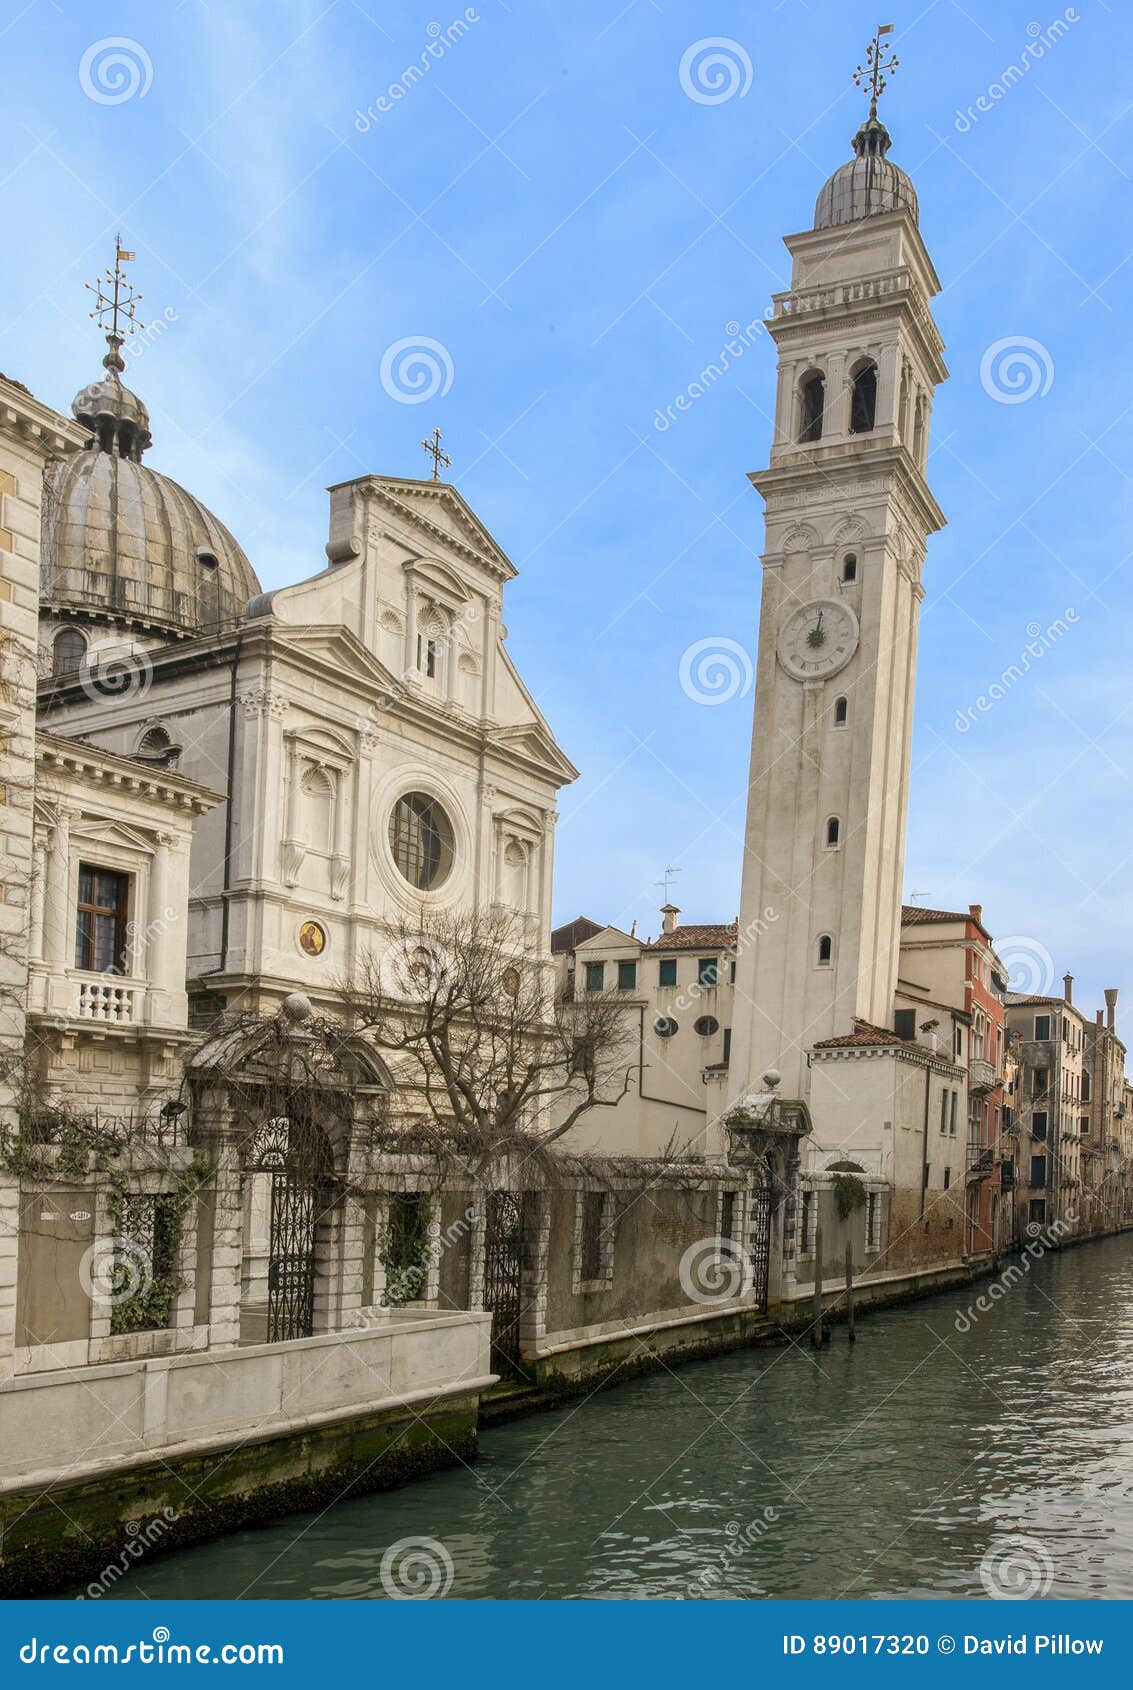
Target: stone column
x=9 y=1257
x=38 y=894
x=162 y=962
x=57 y=894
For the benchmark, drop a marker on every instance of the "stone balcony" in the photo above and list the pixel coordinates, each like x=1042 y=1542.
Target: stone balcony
x=982 y=1076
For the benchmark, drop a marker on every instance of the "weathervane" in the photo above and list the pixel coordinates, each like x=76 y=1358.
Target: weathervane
x=873 y=72
x=116 y=298
x=433 y=447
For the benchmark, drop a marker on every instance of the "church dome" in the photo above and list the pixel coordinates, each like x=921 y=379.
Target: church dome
x=124 y=542
x=867 y=185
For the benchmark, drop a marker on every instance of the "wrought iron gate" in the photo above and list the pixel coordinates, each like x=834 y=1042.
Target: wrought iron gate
x=503 y=1276
x=759 y=1243
x=291 y=1258
x=296 y=1155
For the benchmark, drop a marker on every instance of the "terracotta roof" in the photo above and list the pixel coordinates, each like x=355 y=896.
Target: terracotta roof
x=573 y=933
x=865 y=1033
x=719 y=936
x=1015 y=1000
x=912 y=915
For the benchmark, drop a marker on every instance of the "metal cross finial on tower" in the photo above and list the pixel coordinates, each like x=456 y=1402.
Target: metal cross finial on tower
x=116 y=298
x=873 y=72
x=433 y=447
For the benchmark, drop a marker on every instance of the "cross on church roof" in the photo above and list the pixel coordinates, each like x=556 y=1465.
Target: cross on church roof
x=872 y=73
x=116 y=298
x=433 y=447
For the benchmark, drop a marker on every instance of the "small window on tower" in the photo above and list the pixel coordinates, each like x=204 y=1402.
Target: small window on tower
x=863 y=399
x=825 y=950
x=813 y=400
x=833 y=831
x=841 y=712
x=850 y=567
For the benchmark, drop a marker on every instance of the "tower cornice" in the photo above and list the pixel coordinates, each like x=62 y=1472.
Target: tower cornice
x=892 y=467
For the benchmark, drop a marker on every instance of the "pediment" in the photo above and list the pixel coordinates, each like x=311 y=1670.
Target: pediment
x=340 y=650
x=440 y=510
x=533 y=741
x=111 y=833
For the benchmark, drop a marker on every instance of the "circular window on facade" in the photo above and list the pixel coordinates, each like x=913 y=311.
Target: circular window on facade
x=421 y=839
x=665 y=1027
x=706 y=1026
x=312 y=938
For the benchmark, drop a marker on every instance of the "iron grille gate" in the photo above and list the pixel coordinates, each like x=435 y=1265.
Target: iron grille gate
x=291 y=1259
x=503 y=1276
x=759 y=1243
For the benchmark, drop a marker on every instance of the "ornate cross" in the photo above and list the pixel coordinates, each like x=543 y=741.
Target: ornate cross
x=433 y=447
x=872 y=73
x=114 y=296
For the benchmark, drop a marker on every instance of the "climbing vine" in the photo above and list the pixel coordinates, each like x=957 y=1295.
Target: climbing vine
x=849 y=1195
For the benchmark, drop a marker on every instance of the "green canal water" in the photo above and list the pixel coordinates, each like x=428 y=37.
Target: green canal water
x=901 y=1466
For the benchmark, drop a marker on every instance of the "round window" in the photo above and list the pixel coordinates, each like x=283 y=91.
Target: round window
x=706 y=1026
x=664 y=1026
x=421 y=839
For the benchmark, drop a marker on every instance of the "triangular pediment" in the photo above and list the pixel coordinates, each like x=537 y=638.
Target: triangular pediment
x=440 y=511
x=533 y=741
x=339 y=650
x=98 y=832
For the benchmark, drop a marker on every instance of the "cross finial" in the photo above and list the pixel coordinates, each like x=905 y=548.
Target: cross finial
x=433 y=447
x=873 y=73
x=116 y=298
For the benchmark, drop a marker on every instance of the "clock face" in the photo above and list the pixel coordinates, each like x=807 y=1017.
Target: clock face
x=818 y=639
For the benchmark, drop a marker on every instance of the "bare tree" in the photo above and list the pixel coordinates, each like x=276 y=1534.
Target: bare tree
x=499 y=1061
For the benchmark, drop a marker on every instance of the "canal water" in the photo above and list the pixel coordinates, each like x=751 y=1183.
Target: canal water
x=943 y=1455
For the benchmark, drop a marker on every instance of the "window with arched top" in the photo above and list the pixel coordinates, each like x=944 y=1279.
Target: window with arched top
x=68 y=652
x=863 y=398
x=825 y=953
x=812 y=398
x=833 y=831
x=850 y=566
x=841 y=711
x=208 y=586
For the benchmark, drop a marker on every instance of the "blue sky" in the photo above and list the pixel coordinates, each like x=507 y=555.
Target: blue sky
x=550 y=205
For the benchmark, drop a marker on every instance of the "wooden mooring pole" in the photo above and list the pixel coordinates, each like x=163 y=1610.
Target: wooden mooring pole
x=850 y=1333
x=816 y=1323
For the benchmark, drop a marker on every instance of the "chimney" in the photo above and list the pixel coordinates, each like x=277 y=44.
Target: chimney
x=1111 y=1008
x=976 y=911
x=1068 y=987
x=669 y=914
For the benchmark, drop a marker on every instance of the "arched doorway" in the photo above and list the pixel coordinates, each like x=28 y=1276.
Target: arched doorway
x=290 y=1161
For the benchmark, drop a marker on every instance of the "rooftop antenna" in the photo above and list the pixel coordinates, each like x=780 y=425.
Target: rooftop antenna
x=670 y=874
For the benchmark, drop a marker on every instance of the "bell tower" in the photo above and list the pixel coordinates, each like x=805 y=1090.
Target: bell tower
x=848 y=515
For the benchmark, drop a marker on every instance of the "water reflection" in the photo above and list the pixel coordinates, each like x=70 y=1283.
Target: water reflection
x=898 y=1467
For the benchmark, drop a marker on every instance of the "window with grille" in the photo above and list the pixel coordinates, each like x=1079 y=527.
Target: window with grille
x=405 y=1252
x=68 y=652
x=421 y=839
x=100 y=931
x=728 y=1215
x=143 y=1280
x=593 y=1225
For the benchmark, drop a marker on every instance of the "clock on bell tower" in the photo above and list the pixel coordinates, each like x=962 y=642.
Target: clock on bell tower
x=848 y=515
